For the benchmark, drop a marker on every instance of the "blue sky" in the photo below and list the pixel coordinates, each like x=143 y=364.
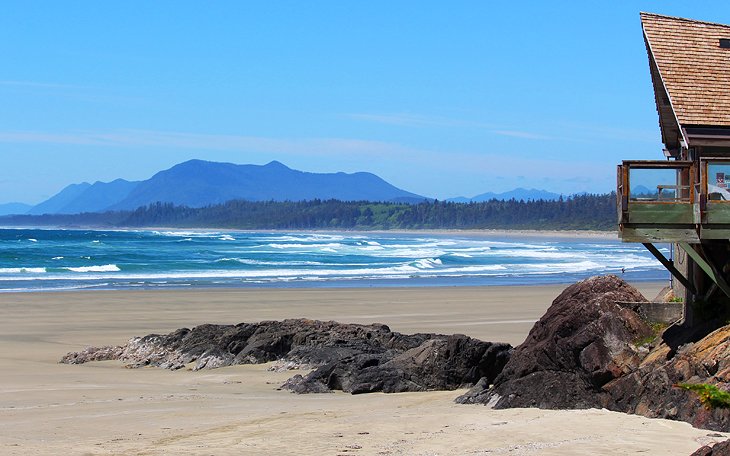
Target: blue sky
x=439 y=98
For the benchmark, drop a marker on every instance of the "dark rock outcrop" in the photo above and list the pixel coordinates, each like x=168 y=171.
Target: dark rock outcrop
x=437 y=364
x=592 y=349
x=585 y=340
x=348 y=357
x=718 y=449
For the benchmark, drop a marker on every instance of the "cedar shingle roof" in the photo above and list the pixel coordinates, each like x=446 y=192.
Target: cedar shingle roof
x=694 y=69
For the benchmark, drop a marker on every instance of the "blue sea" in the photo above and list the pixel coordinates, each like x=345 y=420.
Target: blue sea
x=51 y=259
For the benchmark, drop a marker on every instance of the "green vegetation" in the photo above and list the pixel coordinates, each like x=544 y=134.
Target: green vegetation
x=580 y=212
x=710 y=395
x=656 y=329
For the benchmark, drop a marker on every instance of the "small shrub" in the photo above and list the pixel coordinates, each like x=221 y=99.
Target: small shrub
x=710 y=395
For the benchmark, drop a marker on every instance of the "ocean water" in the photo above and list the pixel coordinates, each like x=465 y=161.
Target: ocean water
x=37 y=260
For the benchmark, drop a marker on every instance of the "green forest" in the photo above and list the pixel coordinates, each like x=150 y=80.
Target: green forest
x=579 y=212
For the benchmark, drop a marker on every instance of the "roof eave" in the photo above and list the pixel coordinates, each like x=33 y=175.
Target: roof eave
x=668 y=124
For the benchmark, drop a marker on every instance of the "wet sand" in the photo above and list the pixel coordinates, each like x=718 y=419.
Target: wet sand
x=102 y=408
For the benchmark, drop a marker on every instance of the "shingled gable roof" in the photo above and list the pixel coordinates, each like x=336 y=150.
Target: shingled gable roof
x=690 y=72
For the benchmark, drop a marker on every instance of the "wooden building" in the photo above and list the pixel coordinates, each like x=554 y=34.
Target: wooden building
x=684 y=198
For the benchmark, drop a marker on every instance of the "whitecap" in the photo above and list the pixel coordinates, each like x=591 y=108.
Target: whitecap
x=187 y=233
x=371 y=248
x=331 y=245
x=100 y=268
x=427 y=263
x=22 y=270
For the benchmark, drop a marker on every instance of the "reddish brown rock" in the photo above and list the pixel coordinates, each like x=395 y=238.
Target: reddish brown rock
x=650 y=390
x=584 y=340
x=718 y=449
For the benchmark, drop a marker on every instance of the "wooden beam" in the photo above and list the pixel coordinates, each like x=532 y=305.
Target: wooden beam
x=669 y=264
x=706 y=266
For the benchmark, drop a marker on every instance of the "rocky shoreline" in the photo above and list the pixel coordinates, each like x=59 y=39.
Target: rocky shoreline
x=591 y=349
x=348 y=357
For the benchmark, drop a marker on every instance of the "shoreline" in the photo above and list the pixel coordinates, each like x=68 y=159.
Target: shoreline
x=332 y=285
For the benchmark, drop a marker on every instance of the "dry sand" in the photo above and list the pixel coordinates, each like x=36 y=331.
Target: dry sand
x=102 y=408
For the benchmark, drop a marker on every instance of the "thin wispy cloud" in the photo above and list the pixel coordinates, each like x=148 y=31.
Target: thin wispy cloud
x=565 y=131
x=164 y=139
x=416 y=120
x=523 y=135
x=583 y=132
x=39 y=85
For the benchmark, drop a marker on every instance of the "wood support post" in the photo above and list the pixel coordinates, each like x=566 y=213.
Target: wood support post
x=669 y=264
x=708 y=267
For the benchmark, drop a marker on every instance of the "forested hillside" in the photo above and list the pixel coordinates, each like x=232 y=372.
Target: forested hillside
x=582 y=212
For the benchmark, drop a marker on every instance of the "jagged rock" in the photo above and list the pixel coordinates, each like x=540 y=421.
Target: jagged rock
x=107 y=353
x=584 y=340
x=353 y=358
x=437 y=364
x=650 y=390
x=718 y=449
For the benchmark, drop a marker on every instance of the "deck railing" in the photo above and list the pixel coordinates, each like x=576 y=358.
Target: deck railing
x=654 y=181
x=674 y=200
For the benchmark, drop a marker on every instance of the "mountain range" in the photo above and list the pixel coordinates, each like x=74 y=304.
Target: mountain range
x=199 y=183
x=516 y=194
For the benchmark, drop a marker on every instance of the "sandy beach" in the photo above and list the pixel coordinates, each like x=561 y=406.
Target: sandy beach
x=48 y=408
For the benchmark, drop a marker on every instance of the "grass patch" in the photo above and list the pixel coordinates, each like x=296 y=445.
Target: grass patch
x=710 y=395
x=656 y=329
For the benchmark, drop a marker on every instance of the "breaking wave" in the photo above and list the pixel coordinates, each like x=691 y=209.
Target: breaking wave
x=70 y=259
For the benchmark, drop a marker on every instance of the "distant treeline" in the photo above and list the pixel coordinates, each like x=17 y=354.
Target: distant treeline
x=580 y=212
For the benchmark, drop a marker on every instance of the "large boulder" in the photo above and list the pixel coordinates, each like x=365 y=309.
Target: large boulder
x=585 y=339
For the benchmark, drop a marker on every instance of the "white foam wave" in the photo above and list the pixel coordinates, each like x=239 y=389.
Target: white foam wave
x=308 y=238
x=370 y=248
x=330 y=245
x=577 y=266
x=417 y=253
x=227 y=237
x=271 y=263
x=428 y=263
x=187 y=233
x=32 y=240
x=541 y=254
x=100 y=268
x=22 y=270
